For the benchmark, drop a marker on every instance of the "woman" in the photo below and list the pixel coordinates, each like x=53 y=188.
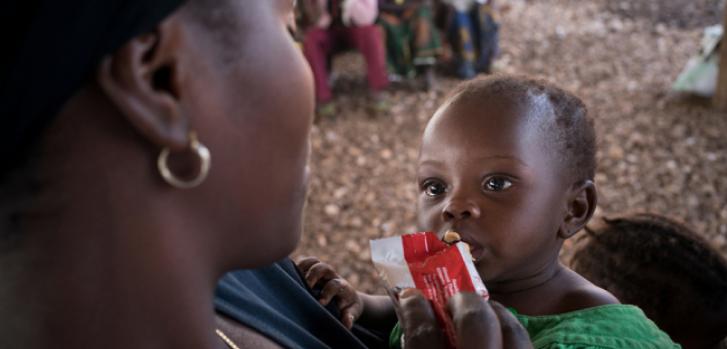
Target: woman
x=115 y=230
x=146 y=150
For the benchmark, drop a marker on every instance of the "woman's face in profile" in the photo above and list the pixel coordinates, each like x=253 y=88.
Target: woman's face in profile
x=252 y=101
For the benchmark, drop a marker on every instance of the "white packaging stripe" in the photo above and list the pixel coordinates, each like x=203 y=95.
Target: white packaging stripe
x=475 y=277
x=388 y=257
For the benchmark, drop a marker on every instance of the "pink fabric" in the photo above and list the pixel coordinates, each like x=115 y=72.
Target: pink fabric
x=368 y=40
x=324 y=21
x=360 y=12
x=355 y=12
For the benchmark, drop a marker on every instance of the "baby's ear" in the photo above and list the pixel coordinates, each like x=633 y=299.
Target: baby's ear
x=582 y=199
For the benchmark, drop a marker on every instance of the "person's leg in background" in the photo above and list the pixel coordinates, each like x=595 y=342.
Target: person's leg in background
x=461 y=33
x=316 y=46
x=369 y=40
x=487 y=36
x=426 y=43
x=398 y=53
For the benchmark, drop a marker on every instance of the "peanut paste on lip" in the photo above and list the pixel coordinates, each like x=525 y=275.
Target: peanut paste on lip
x=429 y=262
x=451 y=237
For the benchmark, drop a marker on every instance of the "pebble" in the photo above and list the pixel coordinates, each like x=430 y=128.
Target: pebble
x=332 y=210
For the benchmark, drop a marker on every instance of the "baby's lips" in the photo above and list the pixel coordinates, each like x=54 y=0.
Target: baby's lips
x=476 y=250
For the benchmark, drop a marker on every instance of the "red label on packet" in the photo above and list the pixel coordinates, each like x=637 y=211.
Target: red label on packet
x=437 y=269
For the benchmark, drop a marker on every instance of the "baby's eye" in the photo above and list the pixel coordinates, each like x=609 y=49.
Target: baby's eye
x=497 y=184
x=434 y=188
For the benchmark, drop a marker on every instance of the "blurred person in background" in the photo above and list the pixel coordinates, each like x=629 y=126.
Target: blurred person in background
x=664 y=268
x=412 y=41
x=330 y=26
x=473 y=35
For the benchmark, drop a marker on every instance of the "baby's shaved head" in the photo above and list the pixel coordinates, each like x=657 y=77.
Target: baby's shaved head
x=561 y=115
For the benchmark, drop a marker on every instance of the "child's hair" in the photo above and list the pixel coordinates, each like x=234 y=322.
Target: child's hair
x=663 y=267
x=570 y=129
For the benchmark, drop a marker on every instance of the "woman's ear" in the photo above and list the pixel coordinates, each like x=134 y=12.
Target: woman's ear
x=142 y=79
x=582 y=200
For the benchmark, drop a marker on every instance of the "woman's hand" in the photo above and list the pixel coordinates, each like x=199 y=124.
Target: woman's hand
x=317 y=273
x=477 y=323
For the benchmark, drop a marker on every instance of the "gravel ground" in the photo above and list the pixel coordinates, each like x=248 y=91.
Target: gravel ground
x=658 y=151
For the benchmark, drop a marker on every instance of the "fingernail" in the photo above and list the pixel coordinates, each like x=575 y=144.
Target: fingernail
x=407 y=292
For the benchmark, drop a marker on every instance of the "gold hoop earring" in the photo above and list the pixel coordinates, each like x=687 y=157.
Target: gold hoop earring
x=204 y=159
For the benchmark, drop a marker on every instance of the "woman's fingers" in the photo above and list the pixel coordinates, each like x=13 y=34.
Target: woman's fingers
x=475 y=322
x=418 y=322
x=514 y=334
x=393 y=294
x=478 y=323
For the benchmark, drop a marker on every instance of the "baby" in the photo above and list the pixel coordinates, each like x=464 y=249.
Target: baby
x=663 y=267
x=508 y=162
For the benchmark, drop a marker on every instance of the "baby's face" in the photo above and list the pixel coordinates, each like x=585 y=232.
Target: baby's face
x=486 y=172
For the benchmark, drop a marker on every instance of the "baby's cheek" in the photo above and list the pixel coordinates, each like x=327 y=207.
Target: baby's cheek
x=428 y=221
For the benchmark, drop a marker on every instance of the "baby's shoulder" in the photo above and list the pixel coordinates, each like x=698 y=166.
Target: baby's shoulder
x=580 y=293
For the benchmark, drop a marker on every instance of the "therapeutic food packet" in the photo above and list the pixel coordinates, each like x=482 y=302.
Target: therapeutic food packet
x=438 y=269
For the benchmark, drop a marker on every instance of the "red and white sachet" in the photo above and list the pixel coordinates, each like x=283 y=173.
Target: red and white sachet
x=437 y=269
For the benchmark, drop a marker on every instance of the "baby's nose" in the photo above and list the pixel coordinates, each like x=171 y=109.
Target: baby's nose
x=457 y=210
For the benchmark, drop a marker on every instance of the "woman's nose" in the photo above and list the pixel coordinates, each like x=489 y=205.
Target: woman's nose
x=458 y=210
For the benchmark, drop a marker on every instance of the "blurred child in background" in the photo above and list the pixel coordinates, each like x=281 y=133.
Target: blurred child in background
x=473 y=35
x=664 y=268
x=412 y=41
x=333 y=25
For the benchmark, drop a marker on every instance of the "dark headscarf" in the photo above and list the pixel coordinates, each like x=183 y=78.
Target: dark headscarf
x=52 y=46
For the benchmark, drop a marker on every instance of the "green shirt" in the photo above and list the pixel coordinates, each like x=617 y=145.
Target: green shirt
x=613 y=326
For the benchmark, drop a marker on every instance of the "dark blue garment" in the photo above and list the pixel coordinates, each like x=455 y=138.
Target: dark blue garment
x=475 y=36
x=277 y=303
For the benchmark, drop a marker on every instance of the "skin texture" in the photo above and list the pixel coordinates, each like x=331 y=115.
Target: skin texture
x=113 y=257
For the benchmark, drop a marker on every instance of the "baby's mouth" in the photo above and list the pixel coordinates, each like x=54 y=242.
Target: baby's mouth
x=451 y=236
x=477 y=252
